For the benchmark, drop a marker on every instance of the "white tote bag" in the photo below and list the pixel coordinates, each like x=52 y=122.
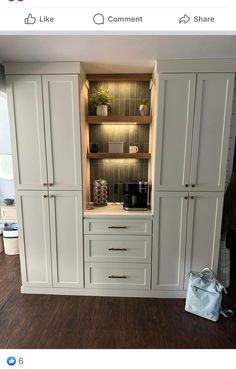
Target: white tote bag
x=204 y=295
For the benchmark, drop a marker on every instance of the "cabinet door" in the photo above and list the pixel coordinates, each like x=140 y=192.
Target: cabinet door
x=176 y=96
x=67 y=238
x=203 y=231
x=62 y=124
x=169 y=238
x=34 y=238
x=211 y=131
x=24 y=95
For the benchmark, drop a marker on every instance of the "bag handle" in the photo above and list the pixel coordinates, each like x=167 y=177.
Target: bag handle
x=208 y=272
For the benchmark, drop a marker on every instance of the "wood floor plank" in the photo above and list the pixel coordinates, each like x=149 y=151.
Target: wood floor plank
x=43 y=321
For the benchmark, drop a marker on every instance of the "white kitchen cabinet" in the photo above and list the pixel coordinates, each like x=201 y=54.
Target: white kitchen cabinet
x=213 y=110
x=34 y=237
x=25 y=105
x=62 y=130
x=118 y=276
x=186 y=236
x=175 y=112
x=193 y=132
x=169 y=240
x=66 y=238
x=45 y=122
x=114 y=248
x=203 y=231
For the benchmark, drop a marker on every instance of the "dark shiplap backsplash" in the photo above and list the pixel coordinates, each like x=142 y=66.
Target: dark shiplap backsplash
x=118 y=171
x=127 y=96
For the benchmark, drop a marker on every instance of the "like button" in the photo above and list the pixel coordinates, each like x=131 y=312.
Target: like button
x=30 y=19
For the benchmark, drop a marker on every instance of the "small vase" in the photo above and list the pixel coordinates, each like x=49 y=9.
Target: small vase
x=102 y=110
x=143 y=110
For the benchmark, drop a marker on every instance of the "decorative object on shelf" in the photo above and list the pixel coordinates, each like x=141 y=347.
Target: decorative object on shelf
x=8 y=201
x=100 y=192
x=116 y=147
x=144 y=108
x=229 y=217
x=133 y=149
x=101 y=99
x=94 y=148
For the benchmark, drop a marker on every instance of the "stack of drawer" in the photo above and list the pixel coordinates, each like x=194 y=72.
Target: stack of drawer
x=117 y=253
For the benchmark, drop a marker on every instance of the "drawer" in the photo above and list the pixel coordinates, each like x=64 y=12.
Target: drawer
x=8 y=213
x=119 y=226
x=117 y=248
x=117 y=276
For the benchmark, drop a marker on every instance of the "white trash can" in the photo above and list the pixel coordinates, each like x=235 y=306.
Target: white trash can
x=1 y=238
x=10 y=239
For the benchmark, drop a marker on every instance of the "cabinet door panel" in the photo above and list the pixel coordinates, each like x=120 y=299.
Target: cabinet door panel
x=169 y=238
x=176 y=95
x=62 y=124
x=34 y=238
x=203 y=231
x=211 y=131
x=27 y=131
x=67 y=239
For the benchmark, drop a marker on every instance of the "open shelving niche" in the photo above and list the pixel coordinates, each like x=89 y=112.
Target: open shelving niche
x=122 y=119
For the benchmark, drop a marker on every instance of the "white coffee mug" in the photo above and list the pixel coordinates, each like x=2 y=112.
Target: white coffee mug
x=133 y=149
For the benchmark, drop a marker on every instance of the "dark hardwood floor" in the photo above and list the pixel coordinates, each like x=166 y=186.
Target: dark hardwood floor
x=42 y=321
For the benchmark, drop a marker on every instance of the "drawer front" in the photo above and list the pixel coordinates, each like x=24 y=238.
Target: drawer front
x=119 y=226
x=135 y=249
x=117 y=276
x=8 y=213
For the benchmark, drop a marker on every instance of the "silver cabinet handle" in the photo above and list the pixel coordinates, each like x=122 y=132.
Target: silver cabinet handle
x=117 y=276
x=117 y=249
x=117 y=227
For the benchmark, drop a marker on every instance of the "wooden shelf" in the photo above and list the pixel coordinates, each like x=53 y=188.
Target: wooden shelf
x=108 y=155
x=138 y=119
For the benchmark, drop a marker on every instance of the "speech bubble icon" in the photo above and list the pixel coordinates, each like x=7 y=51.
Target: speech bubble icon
x=99 y=18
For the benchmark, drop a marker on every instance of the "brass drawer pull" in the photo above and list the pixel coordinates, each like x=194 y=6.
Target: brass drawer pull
x=117 y=276
x=52 y=196
x=117 y=227
x=44 y=184
x=51 y=184
x=45 y=196
x=116 y=249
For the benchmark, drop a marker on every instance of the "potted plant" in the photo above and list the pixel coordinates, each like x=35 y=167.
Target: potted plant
x=144 y=107
x=229 y=217
x=101 y=99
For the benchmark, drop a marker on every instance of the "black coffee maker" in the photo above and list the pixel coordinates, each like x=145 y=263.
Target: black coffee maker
x=135 y=195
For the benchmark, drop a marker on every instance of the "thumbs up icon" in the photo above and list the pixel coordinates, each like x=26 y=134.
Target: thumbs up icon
x=30 y=19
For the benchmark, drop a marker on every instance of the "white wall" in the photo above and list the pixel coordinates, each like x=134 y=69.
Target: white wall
x=6 y=187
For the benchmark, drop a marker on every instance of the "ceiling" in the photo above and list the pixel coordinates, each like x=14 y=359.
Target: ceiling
x=109 y=54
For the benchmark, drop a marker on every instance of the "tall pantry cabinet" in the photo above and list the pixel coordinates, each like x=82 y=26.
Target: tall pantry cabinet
x=45 y=125
x=193 y=126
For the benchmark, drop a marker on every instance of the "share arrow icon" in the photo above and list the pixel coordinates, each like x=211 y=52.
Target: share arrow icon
x=185 y=19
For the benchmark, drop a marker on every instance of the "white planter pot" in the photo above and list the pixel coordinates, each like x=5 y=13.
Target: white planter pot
x=224 y=265
x=102 y=110
x=143 y=110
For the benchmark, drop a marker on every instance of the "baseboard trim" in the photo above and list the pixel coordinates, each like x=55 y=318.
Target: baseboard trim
x=105 y=293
